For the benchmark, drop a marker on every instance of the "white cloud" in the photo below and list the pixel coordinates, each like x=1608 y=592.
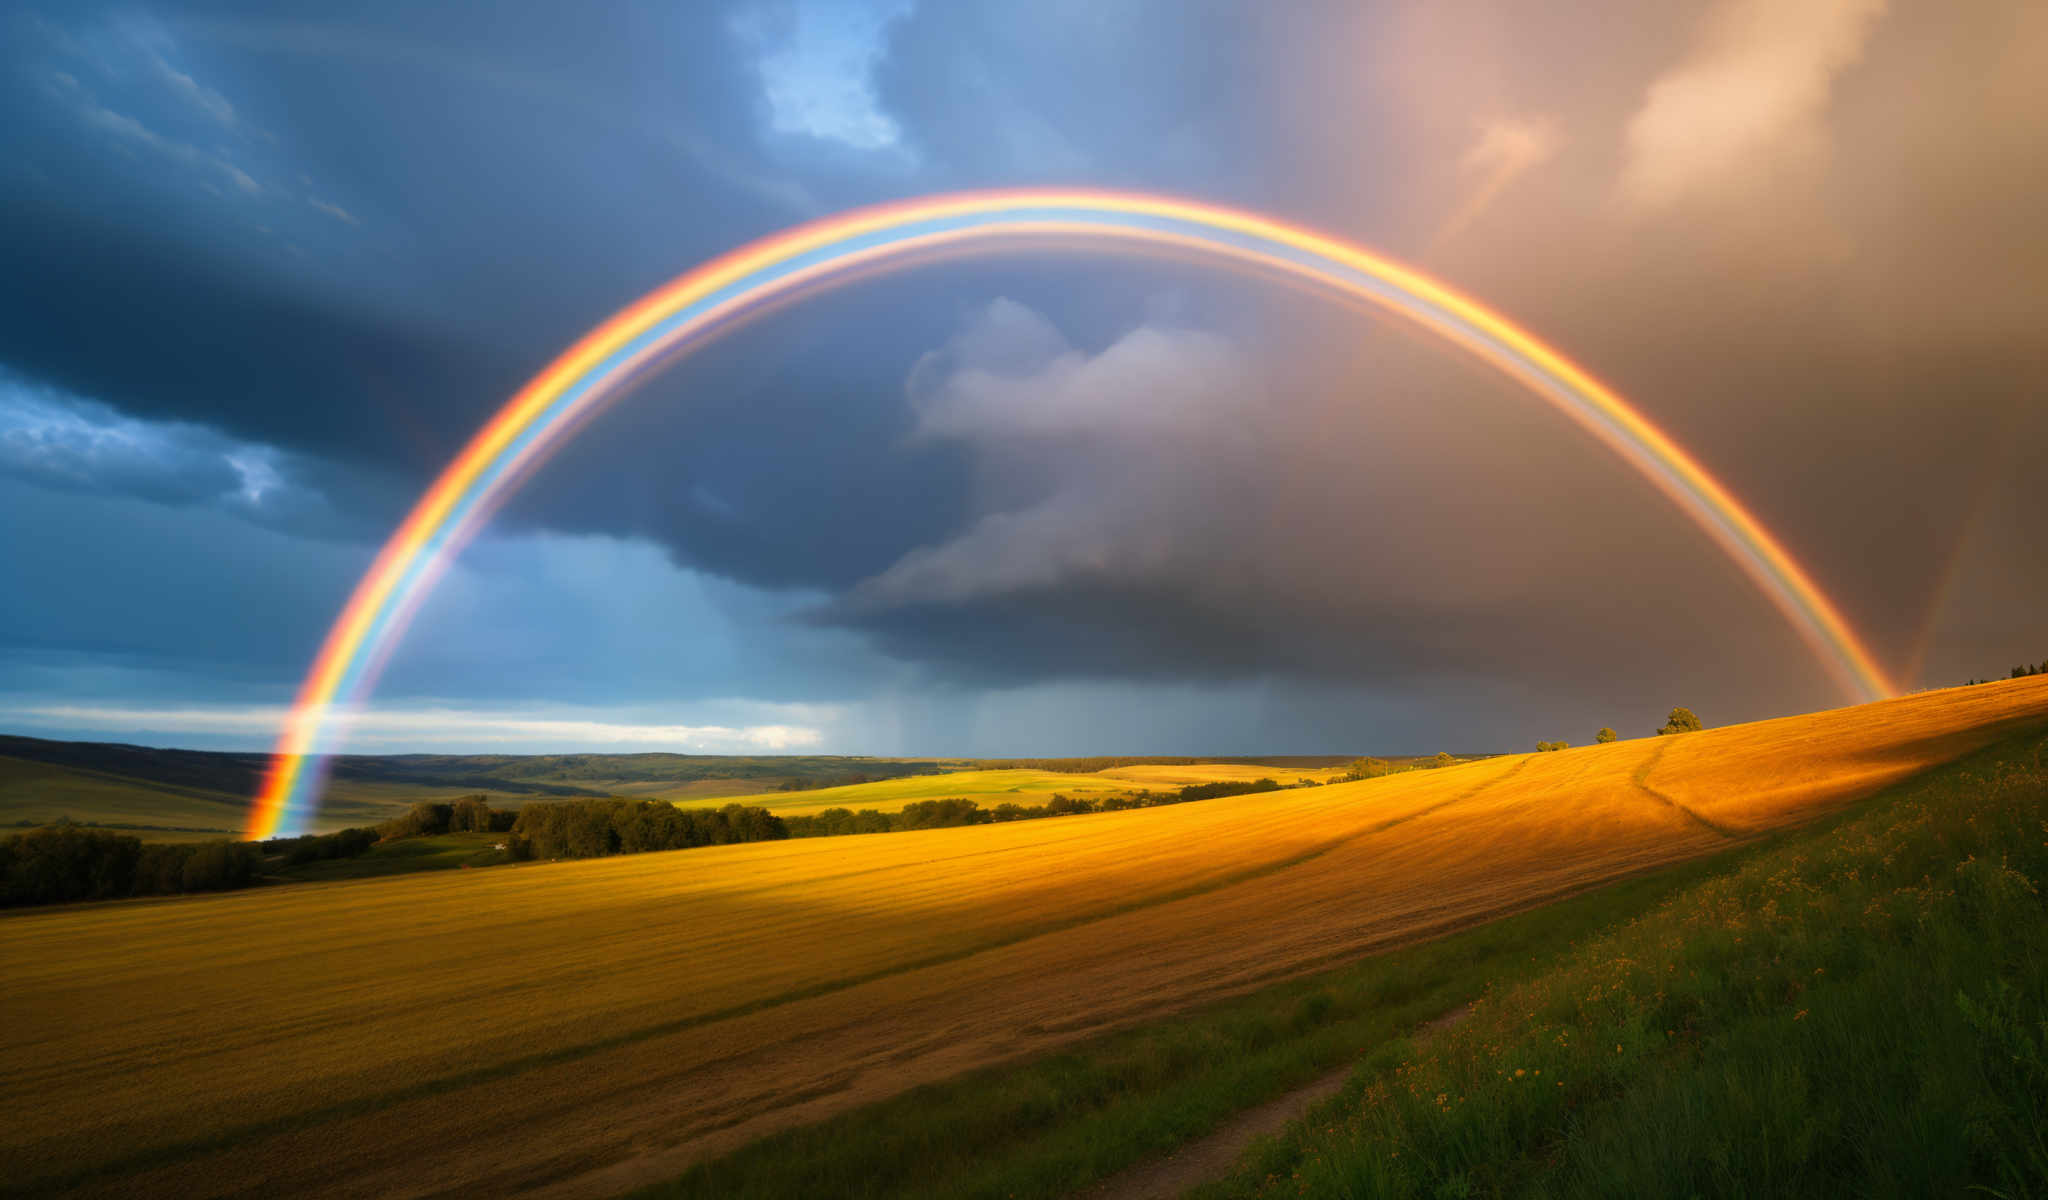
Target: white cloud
x=1011 y=374
x=1746 y=108
x=1115 y=498
x=447 y=730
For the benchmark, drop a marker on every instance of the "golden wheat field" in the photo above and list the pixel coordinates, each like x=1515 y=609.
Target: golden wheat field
x=1026 y=786
x=577 y=1028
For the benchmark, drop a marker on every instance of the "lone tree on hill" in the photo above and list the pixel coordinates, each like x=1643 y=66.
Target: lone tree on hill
x=1605 y=735
x=1681 y=720
x=1443 y=759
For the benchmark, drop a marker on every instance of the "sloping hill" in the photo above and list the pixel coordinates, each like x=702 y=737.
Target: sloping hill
x=41 y=791
x=599 y=1023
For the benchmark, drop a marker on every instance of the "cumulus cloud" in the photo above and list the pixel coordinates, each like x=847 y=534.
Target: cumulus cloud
x=1011 y=374
x=1091 y=454
x=1747 y=108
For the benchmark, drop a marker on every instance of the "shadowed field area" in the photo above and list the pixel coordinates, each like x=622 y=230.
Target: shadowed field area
x=584 y=1027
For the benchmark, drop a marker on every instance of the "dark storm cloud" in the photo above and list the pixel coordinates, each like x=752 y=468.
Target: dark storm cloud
x=270 y=235
x=1785 y=292
x=434 y=201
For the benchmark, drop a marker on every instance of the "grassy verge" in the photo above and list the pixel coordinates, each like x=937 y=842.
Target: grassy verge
x=435 y=852
x=1859 y=1012
x=1053 y=1125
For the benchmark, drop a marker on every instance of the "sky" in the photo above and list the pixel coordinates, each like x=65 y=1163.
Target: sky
x=268 y=267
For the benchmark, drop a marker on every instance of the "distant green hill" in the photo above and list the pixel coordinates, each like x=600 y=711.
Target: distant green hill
x=166 y=794
x=196 y=792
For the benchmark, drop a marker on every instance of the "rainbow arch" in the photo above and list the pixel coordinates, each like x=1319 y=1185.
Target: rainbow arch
x=712 y=298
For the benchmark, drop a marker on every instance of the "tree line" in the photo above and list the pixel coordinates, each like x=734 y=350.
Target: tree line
x=618 y=825
x=2023 y=671
x=64 y=863
x=1374 y=768
x=470 y=814
x=956 y=811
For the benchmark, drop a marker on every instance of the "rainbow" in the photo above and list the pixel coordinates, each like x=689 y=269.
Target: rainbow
x=716 y=296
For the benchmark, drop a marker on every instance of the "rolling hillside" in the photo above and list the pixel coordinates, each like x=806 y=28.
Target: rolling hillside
x=578 y=1028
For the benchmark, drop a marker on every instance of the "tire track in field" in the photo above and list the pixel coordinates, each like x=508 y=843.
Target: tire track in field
x=1460 y=798
x=1211 y=1156
x=1642 y=782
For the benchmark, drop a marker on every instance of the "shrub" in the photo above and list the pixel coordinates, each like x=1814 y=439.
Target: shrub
x=424 y=818
x=1605 y=735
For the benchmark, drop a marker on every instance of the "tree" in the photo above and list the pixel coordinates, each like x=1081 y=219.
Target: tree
x=471 y=814
x=1443 y=759
x=1681 y=720
x=424 y=818
x=1605 y=735
x=1548 y=747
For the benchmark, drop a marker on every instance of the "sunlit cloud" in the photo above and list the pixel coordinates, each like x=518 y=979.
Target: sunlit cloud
x=1506 y=148
x=1747 y=106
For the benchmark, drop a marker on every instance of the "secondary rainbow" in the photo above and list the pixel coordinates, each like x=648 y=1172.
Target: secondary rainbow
x=719 y=294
